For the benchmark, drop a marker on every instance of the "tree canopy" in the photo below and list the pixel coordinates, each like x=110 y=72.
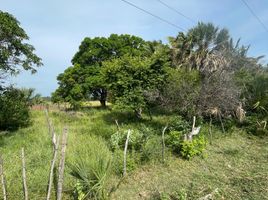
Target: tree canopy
x=83 y=79
x=129 y=78
x=15 y=55
x=14 y=52
x=201 y=72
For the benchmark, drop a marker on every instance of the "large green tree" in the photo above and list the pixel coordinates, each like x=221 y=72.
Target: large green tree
x=131 y=79
x=87 y=63
x=201 y=48
x=15 y=53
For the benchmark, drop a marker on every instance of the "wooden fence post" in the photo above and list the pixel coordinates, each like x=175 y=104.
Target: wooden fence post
x=51 y=128
x=117 y=124
x=163 y=144
x=62 y=163
x=50 y=181
x=125 y=154
x=24 y=175
x=3 y=182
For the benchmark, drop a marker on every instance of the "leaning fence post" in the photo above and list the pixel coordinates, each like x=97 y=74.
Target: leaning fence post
x=125 y=154
x=3 y=182
x=50 y=181
x=163 y=144
x=62 y=163
x=50 y=128
x=117 y=124
x=24 y=175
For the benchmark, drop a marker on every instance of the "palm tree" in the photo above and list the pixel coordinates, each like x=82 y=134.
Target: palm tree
x=201 y=48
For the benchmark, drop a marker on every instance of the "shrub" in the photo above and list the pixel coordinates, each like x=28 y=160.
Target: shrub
x=143 y=146
x=135 y=142
x=151 y=149
x=14 y=109
x=91 y=172
x=174 y=139
x=256 y=126
x=188 y=149
x=133 y=160
x=177 y=123
x=92 y=177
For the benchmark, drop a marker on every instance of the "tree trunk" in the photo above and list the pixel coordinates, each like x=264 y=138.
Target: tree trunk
x=210 y=129
x=138 y=113
x=103 y=97
x=222 y=126
x=150 y=114
x=103 y=103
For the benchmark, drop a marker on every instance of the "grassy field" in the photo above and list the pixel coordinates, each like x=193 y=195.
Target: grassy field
x=234 y=166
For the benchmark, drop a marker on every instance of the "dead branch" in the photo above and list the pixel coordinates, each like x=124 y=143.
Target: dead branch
x=62 y=163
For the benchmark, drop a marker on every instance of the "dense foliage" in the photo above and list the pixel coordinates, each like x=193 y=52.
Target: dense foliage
x=129 y=78
x=83 y=80
x=13 y=51
x=202 y=72
x=200 y=75
x=15 y=55
x=14 y=109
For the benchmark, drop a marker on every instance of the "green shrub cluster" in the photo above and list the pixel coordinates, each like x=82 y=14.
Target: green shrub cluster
x=92 y=171
x=256 y=125
x=189 y=149
x=186 y=149
x=14 y=109
x=143 y=146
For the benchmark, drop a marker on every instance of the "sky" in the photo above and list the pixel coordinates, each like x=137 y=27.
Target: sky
x=57 y=27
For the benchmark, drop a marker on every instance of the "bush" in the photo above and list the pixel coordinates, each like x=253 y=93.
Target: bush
x=177 y=123
x=174 y=139
x=133 y=161
x=14 y=109
x=255 y=126
x=143 y=146
x=92 y=171
x=136 y=140
x=152 y=149
x=189 y=149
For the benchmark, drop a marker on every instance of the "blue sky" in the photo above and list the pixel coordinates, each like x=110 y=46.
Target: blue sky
x=57 y=27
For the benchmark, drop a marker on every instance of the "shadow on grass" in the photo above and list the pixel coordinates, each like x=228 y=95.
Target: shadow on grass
x=7 y=133
x=157 y=122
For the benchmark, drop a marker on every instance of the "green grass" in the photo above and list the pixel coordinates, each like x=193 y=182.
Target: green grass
x=235 y=164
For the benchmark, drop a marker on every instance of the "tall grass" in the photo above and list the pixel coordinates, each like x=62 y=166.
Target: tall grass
x=91 y=169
